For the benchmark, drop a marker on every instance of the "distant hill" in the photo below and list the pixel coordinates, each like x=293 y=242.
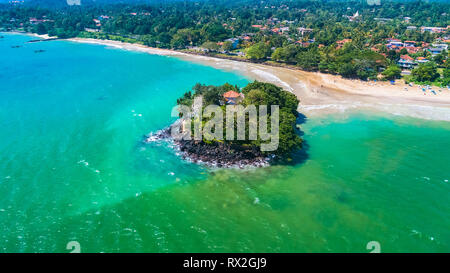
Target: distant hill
x=60 y=3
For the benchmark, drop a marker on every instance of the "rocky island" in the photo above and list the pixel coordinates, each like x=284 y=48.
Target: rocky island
x=228 y=126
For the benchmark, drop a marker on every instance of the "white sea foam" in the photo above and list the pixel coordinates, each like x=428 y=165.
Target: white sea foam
x=272 y=78
x=411 y=110
x=312 y=107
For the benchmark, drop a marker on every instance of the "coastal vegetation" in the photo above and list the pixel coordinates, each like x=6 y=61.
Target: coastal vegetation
x=349 y=38
x=392 y=72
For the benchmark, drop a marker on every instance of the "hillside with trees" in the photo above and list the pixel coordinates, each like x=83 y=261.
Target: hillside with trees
x=348 y=38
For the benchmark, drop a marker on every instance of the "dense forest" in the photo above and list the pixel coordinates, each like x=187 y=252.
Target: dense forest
x=340 y=37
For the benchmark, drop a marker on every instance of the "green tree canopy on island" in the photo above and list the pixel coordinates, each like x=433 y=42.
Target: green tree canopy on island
x=257 y=94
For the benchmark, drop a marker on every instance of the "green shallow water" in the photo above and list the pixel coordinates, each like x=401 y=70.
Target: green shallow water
x=72 y=167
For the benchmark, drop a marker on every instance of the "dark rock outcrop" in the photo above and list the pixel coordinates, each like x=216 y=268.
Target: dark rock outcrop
x=216 y=154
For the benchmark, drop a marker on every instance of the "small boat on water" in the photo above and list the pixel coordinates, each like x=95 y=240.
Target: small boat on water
x=39 y=51
x=16 y=46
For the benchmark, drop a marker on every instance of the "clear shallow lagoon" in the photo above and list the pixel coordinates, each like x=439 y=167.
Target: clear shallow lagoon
x=72 y=167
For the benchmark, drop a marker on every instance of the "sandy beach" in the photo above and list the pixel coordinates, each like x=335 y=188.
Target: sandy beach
x=321 y=93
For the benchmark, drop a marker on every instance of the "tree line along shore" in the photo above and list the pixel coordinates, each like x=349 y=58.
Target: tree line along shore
x=348 y=38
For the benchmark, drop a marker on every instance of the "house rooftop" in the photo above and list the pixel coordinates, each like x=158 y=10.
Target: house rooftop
x=344 y=41
x=231 y=94
x=406 y=57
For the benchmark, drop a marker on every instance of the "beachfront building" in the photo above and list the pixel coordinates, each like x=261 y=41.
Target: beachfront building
x=411 y=49
x=234 y=42
x=397 y=45
x=341 y=43
x=303 y=30
x=382 y=21
x=409 y=43
x=390 y=40
x=97 y=22
x=103 y=17
x=35 y=21
x=406 y=62
x=260 y=27
x=232 y=97
x=443 y=46
x=197 y=49
x=91 y=29
x=394 y=43
x=303 y=44
x=354 y=17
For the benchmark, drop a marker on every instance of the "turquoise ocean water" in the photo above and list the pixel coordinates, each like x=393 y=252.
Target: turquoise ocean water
x=72 y=167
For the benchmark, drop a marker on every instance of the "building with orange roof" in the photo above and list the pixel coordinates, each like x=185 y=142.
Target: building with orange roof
x=341 y=42
x=411 y=49
x=232 y=97
x=406 y=62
